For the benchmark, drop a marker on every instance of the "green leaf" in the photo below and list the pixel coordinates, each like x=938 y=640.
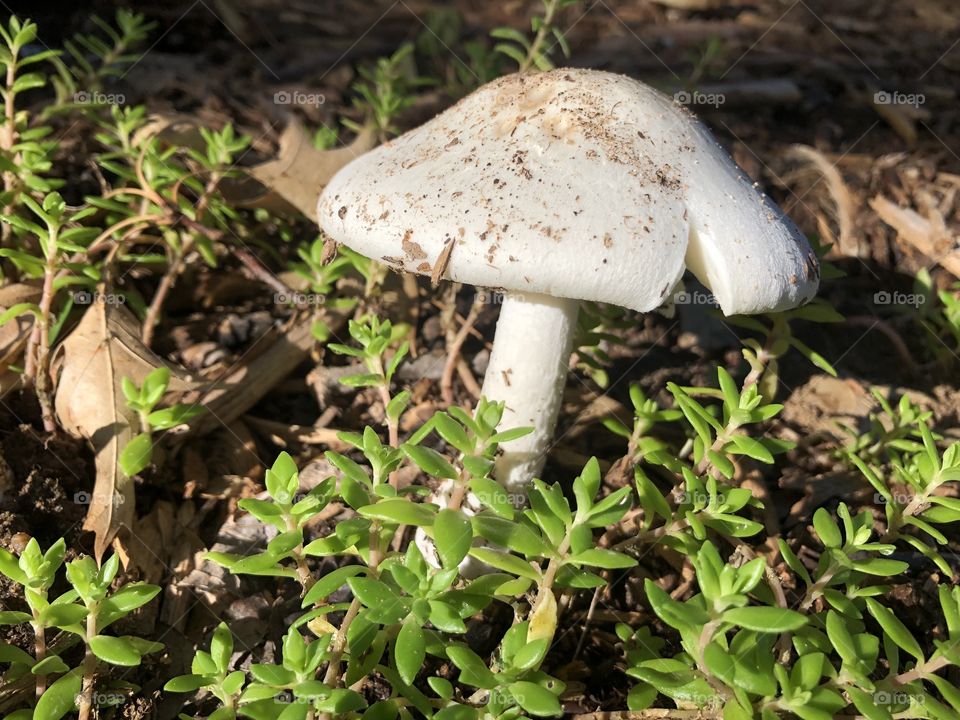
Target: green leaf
x=171 y=417
x=430 y=461
x=651 y=499
x=827 y=529
x=840 y=637
x=508 y=435
x=340 y=702
x=272 y=674
x=136 y=454
x=59 y=698
x=456 y=712
x=11 y=617
x=516 y=536
x=453 y=534
x=124 y=601
x=746 y=445
x=445 y=617
x=115 y=650
x=882 y=567
x=62 y=615
x=13 y=654
x=382 y=710
x=397 y=405
x=50 y=665
x=893 y=627
x=410 y=650
x=766 y=619
x=512 y=52
x=186 y=683
x=386 y=607
x=506 y=562
x=400 y=511
x=531 y=654
x=10 y=566
x=452 y=432
x=221 y=647
x=534 y=699
x=602 y=558
x=473 y=670
x=674 y=613
x=508 y=33
x=330 y=582
x=493 y=495
x=441 y=686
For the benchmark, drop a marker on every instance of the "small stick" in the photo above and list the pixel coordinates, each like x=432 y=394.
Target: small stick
x=440 y=267
x=453 y=352
x=260 y=272
x=468 y=380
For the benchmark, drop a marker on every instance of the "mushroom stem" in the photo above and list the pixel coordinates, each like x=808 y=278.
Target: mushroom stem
x=527 y=371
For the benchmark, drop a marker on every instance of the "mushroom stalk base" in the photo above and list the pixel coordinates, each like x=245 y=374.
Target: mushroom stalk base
x=527 y=371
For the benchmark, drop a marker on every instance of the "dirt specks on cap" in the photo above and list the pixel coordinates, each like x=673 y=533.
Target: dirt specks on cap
x=410 y=248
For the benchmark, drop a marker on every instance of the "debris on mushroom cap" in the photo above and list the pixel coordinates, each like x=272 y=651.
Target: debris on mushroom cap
x=571 y=183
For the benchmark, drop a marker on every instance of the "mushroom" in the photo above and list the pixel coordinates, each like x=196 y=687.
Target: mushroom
x=557 y=187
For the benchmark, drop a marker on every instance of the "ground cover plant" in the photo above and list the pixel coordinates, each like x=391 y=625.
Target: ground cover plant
x=221 y=435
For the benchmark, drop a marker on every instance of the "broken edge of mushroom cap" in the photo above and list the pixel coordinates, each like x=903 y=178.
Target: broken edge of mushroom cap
x=571 y=183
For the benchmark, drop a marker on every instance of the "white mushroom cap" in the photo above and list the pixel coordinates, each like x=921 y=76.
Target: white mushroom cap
x=571 y=183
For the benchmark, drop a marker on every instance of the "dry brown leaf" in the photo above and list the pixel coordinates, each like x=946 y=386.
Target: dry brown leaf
x=298 y=174
x=104 y=348
x=149 y=548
